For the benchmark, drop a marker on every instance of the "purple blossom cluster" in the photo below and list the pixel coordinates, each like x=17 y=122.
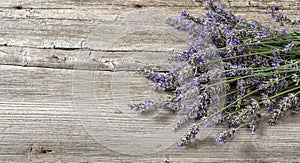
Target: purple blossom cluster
x=190 y=134
x=235 y=72
x=280 y=17
x=223 y=136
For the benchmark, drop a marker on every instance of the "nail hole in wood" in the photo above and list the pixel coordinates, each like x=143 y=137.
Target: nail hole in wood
x=18 y=7
x=137 y=6
x=44 y=150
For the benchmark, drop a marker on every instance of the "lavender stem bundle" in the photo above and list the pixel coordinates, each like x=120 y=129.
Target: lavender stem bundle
x=234 y=72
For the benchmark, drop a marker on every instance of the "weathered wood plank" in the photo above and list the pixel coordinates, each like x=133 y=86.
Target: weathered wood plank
x=54 y=4
x=70 y=28
x=51 y=33
x=84 y=59
x=39 y=121
x=131 y=42
x=89 y=25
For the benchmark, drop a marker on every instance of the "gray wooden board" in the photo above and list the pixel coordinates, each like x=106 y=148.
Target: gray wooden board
x=59 y=56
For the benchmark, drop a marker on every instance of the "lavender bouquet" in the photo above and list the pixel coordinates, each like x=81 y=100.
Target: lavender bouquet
x=234 y=72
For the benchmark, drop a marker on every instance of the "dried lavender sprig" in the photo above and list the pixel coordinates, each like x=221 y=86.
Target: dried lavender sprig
x=162 y=81
x=148 y=105
x=143 y=109
x=190 y=134
x=258 y=73
x=224 y=108
x=285 y=104
x=221 y=137
x=256 y=104
x=280 y=17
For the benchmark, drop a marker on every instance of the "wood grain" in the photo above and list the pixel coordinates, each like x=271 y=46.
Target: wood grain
x=59 y=56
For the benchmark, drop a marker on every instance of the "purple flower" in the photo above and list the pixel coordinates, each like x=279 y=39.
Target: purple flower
x=253 y=125
x=289 y=46
x=254 y=25
x=180 y=144
x=273 y=8
x=190 y=134
x=222 y=137
x=221 y=7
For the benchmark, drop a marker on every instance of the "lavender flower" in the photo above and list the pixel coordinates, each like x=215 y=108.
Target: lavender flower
x=289 y=46
x=190 y=134
x=295 y=79
x=284 y=105
x=253 y=125
x=258 y=68
x=223 y=136
x=148 y=105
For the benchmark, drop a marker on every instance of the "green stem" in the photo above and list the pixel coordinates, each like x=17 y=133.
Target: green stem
x=247 y=95
x=244 y=77
x=282 y=93
x=263 y=110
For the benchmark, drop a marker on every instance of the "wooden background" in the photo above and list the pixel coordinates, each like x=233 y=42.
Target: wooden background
x=59 y=56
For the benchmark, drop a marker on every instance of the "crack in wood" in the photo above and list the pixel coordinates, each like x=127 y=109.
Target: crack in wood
x=84 y=48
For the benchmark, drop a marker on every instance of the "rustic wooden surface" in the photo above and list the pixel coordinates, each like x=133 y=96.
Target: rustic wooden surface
x=48 y=49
